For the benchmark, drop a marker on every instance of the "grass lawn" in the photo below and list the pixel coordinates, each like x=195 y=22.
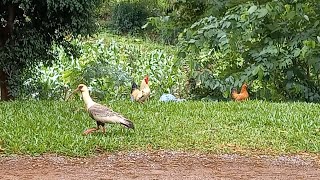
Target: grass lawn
x=36 y=127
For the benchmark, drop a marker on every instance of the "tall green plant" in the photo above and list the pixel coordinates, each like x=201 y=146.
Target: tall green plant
x=108 y=67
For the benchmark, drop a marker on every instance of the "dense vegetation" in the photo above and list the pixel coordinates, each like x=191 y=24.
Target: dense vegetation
x=195 y=49
x=274 y=46
x=28 y=29
x=107 y=64
x=38 y=127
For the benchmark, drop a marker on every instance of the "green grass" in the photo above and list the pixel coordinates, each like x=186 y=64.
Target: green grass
x=36 y=127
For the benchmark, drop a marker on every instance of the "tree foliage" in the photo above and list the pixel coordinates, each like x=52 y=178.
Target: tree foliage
x=128 y=17
x=178 y=15
x=273 y=45
x=28 y=28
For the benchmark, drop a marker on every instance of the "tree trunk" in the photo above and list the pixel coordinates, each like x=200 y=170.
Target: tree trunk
x=5 y=34
x=4 y=86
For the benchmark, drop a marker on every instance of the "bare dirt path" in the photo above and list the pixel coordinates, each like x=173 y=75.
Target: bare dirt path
x=159 y=165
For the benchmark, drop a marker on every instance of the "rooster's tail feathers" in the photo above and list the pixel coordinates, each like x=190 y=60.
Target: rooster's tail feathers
x=134 y=86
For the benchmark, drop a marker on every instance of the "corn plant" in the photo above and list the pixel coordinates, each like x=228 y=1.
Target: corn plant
x=108 y=66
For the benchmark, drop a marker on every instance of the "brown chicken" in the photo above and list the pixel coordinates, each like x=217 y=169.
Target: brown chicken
x=142 y=94
x=243 y=95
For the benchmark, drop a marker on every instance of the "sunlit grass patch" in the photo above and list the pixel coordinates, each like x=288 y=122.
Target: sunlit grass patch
x=36 y=127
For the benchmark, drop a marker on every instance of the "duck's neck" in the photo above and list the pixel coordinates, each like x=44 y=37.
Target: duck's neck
x=87 y=99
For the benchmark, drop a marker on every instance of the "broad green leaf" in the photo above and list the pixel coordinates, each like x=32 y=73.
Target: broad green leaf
x=260 y=74
x=252 y=9
x=291 y=15
x=199 y=42
x=223 y=41
x=262 y=12
x=221 y=34
x=182 y=54
x=191 y=41
x=287 y=7
x=316 y=24
x=226 y=24
x=209 y=34
x=296 y=52
x=313 y=44
x=256 y=70
x=145 y=25
x=290 y=75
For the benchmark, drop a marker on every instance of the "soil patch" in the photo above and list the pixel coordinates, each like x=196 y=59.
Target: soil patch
x=159 y=165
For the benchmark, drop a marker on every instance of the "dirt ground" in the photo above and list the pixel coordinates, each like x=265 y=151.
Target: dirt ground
x=159 y=165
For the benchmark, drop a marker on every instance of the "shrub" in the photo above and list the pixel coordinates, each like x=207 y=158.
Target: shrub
x=274 y=45
x=178 y=15
x=129 y=17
